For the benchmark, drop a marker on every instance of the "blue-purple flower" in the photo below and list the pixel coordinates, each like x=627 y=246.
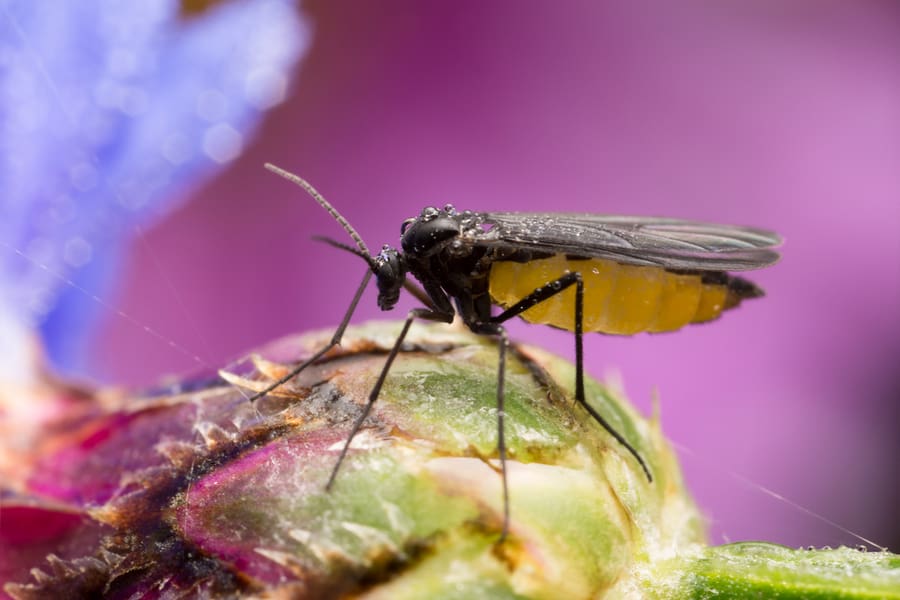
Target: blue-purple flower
x=111 y=111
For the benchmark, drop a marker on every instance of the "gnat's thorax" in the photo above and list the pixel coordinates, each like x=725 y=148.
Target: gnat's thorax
x=429 y=233
x=390 y=274
x=435 y=235
x=424 y=235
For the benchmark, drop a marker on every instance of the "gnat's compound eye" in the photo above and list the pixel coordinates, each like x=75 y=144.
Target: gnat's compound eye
x=406 y=224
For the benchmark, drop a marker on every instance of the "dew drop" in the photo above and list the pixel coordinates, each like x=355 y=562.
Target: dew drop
x=264 y=88
x=77 y=252
x=222 y=143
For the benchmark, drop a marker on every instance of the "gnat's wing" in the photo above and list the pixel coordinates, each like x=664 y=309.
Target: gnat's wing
x=651 y=241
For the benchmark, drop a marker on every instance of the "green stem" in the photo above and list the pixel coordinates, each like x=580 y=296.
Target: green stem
x=761 y=570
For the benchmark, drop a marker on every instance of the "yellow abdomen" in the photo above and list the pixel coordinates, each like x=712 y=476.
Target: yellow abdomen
x=618 y=298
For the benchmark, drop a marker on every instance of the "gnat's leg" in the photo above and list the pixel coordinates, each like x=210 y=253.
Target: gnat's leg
x=548 y=291
x=335 y=340
x=498 y=330
x=416 y=313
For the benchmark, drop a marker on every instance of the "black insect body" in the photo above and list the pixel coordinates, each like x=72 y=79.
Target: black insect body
x=580 y=272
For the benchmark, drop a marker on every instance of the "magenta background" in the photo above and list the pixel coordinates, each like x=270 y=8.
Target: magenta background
x=777 y=114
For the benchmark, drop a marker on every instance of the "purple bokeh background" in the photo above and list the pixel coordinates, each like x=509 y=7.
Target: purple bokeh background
x=779 y=114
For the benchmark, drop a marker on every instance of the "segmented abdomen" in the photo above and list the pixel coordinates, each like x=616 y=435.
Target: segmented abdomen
x=618 y=298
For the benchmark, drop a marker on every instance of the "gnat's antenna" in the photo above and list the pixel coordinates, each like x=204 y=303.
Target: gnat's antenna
x=348 y=248
x=324 y=204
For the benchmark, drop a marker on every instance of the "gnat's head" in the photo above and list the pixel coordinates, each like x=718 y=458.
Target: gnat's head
x=390 y=275
x=388 y=266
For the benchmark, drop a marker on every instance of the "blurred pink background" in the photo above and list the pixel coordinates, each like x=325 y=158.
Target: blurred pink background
x=779 y=114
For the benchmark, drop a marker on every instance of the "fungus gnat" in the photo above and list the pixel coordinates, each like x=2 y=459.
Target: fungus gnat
x=578 y=272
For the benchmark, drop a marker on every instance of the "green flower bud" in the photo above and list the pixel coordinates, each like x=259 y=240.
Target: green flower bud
x=195 y=492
